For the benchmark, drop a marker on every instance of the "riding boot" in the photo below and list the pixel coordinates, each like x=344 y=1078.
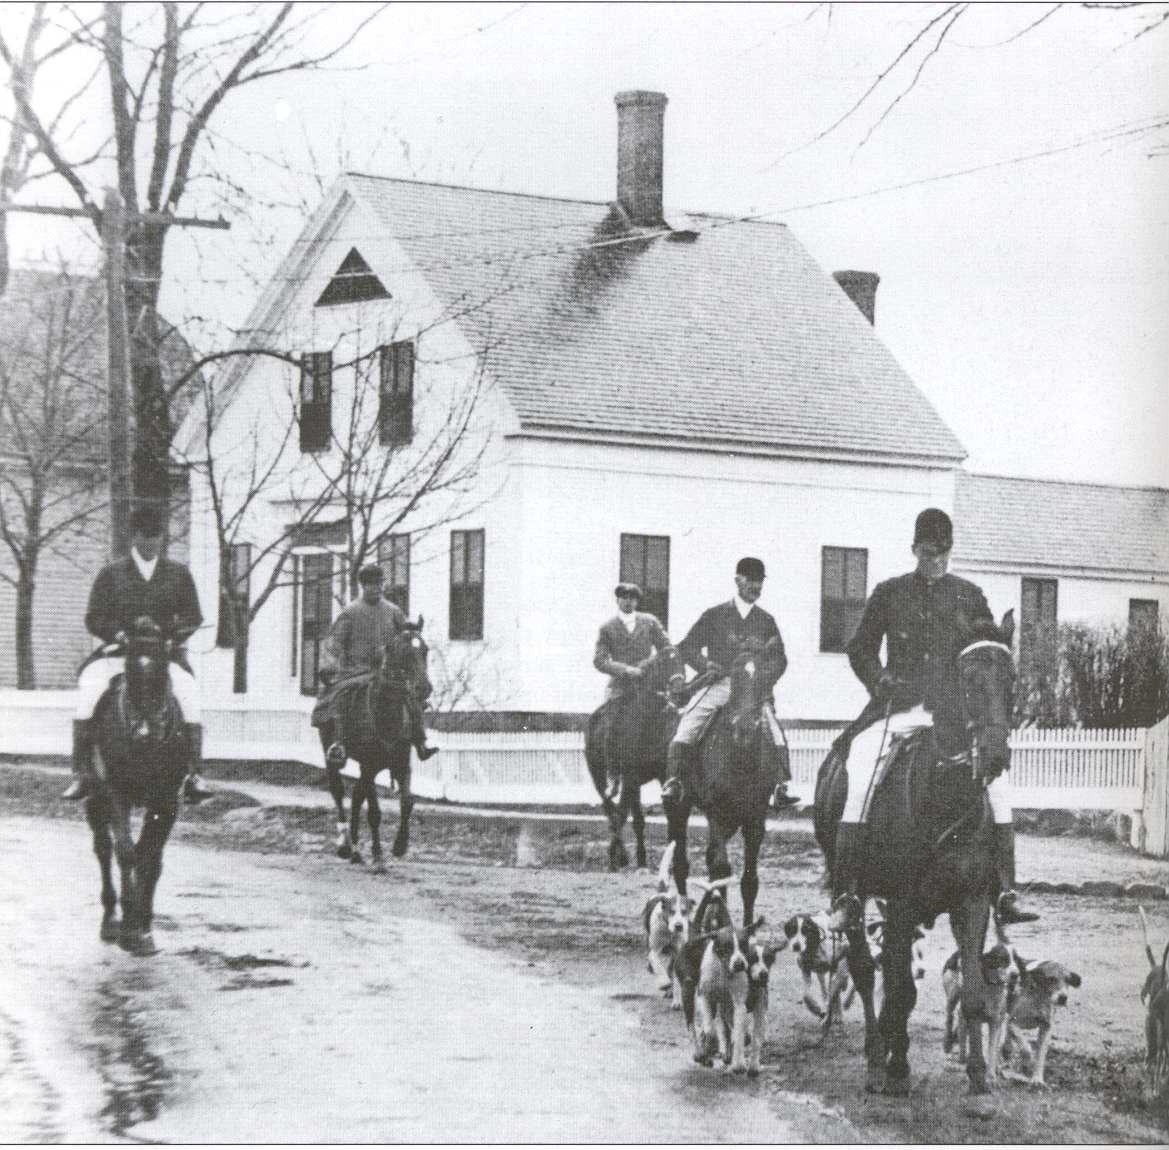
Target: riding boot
x=677 y=759
x=781 y=800
x=194 y=789
x=423 y=751
x=847 y=909
x=1007 y=910
x=82 y=760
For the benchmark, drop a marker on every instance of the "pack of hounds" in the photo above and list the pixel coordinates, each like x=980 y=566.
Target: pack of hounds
x=719 y=977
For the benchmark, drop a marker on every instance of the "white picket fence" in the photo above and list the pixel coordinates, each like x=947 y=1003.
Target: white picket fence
x=1122 y=770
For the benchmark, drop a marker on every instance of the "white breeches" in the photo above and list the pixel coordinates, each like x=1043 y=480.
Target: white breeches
x=863 y=760
x=96 y=678
x=700 y=710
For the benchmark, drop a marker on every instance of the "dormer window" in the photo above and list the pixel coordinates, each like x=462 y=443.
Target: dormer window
x=352 y=282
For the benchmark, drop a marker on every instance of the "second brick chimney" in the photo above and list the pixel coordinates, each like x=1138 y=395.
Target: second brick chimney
x=640 y=117
x=861 y=288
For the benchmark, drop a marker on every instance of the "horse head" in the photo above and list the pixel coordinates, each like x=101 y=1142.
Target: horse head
x=146 y=666
x=403 y=662
x=987 y=679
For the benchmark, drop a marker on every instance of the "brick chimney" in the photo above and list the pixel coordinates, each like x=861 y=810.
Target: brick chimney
x=861 y=288
x=639 y=155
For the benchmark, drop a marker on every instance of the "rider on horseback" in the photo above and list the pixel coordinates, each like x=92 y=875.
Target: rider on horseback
x=712 y=645
x=623 y=644
x=355 y=648
x=144 y=583
x=924 y=618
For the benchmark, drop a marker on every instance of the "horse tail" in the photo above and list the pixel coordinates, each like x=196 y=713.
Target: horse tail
x=666 y=866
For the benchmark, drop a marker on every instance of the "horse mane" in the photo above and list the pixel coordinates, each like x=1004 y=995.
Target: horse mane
x=983 y=631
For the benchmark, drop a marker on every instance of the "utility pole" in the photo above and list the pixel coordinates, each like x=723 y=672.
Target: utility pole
x=114 y=223
x=113 y=233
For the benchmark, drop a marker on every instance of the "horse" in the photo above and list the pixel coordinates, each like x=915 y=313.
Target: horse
x=929 y=850
x=738 y=775
x=377 y=735
x=141 y=755
x=633 y=732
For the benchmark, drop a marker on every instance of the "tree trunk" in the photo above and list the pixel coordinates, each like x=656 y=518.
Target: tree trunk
x=26 y=678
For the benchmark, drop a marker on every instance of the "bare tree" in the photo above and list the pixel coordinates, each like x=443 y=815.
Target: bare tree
x=371 y=473
x=171 y=70
x=52 y=424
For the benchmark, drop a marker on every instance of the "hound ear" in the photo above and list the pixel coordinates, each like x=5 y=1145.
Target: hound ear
x=421 y=623
x=1007 y=626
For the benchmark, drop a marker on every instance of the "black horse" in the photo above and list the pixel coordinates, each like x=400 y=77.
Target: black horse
x=929 y=851
x=739 y=771
x=141 y=756
x=632 y=734
x=376 y=722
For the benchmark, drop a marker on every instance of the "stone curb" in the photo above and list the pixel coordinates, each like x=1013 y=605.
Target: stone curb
x=1146 y=890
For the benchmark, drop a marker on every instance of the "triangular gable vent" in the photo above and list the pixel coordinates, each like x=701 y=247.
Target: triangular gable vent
x=352 y=282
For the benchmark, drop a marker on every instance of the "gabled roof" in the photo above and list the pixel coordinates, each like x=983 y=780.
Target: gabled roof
x=1045 y=523
x=731 y=337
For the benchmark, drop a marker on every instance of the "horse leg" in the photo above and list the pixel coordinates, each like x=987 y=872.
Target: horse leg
x=717 y=864
x=356 y=801
x=124 y=852
x=749 y=884
x=968 y=922
x=375 y=822
x=900 y=994
x=677 y=819
x=97 y=814
x=405 y=805
x=337 y=789
x=618 y=856
x=638 y=813
x=155 y=831
x=862 y=970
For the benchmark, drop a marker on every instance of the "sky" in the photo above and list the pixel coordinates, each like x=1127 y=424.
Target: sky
x=1028 y=300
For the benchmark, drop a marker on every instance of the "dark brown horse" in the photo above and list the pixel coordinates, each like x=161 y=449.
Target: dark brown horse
x=141 y=755
x=738 y=774
x=632 y=733
x=929 y=851
x=375 y=719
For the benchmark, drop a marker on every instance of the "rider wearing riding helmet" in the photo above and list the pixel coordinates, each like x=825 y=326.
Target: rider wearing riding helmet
x=624 y=643
x=712 y=645
x=355 y=648
x=143 y=583
x=924 y=617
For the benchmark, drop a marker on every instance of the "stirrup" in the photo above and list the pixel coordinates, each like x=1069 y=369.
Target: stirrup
x=77 y=789
x=781 y=799
x=425 y=752
x=336 y=756
x=672 y=791
x=193 y=789
x=1007 y=912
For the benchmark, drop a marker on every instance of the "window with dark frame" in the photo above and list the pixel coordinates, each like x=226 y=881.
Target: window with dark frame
x=844 y=573
x=234 y=593
x=353 y=282
x=466 y=609
x=645 y=560
x=316 y=616
x=1039 y=628
x=316 y=400
x=1144 y=614
x=396 y=393
x=393 y=557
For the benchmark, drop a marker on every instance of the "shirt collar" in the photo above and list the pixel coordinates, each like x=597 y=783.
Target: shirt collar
x=744 y=609
x=145 y=567
x=628 y=621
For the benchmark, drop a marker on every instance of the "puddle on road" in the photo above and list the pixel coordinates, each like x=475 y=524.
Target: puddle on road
x=135 y=1080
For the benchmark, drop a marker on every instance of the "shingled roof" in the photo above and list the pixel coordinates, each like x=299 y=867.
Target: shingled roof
x=1043 y=523
x=721 y=333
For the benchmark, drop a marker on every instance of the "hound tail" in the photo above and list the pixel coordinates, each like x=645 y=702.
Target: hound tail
x=666 y=866
x=1145 y=932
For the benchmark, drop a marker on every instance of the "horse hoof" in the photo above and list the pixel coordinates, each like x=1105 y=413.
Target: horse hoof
x=896 y=1087
x=400 y=847
x=356 y=859
x=752 y=1071
x=110 y=929
x=875 y=1082
x=379 y=866
x=344 y=851
x=979 y=1106
x=145 y=947
x=738 y=1069
x=127 y=941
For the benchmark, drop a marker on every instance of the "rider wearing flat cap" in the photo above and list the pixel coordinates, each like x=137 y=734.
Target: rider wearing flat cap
x=356 y=642
x=923 y=618
x=144 y=583
x=624 y=644
x=711 y=647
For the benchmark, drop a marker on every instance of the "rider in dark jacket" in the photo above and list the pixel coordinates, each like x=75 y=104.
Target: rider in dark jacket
x=143 y=584
x=924 y=618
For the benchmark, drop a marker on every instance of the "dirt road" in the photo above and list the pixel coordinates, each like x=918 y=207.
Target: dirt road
x=492 y=987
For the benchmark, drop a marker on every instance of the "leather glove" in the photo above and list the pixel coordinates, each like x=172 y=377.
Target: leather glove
x=677 y=691
x=633 y=672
